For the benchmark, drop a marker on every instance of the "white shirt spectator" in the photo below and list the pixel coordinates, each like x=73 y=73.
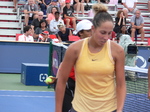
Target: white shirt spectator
x=53 y=25
x=25 y=38
x=129 y=3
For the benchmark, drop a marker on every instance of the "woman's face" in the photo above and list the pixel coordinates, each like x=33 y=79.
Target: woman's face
x=54 y=10
x=86 y=33
x=43 y=24
x=102 y=33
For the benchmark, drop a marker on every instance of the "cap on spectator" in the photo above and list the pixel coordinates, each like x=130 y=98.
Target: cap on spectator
x=54 y=0
x=45 y=33
x=67 y=1
x=84 y=25
x=60 y=25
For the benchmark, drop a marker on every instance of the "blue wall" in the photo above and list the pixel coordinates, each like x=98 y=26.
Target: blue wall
x=13 y=54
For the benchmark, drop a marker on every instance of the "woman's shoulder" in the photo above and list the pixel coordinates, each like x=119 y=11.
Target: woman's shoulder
x=76 y=46
x=116 y=47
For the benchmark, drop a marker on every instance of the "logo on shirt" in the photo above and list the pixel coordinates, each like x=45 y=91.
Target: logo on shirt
x=94 y=59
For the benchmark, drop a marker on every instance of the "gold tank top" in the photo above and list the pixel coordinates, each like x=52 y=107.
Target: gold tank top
x=95 y=81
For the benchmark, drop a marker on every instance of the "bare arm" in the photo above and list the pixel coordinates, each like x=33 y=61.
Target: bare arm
x=66 y=66
x=134 y=5
x=59 y=39
x=70 y=33
x=119 y=57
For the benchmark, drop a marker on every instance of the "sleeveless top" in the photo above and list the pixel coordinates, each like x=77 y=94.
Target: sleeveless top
x=95 y=81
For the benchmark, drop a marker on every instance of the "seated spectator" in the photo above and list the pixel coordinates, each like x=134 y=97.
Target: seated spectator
x=53 y=24
x=43 y=27
x=64 y=33
x=120 y=23
x=62 y=5
x=44 y=37
x=129 y=6
x=54 y=3
x=78 y=5
x=27 y=35
x=44 y=5
x=68 y=16
x=84 y=29
x=30 y=11
x=137 y=23
x=51 y=15
x=36 y=22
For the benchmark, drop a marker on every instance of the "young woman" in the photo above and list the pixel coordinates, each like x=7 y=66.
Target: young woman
x=83 y=32
x=43 y=27
x=120 y=23
x=51 y=16
x=99 y=69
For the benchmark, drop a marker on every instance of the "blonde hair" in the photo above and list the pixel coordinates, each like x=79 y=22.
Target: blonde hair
x=101 y=14
x=99 y=8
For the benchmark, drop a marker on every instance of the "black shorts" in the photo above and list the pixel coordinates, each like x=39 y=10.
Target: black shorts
x=69 y=94
x=72 y=110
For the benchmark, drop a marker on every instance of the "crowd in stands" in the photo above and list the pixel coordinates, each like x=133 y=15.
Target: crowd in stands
x=59 y=17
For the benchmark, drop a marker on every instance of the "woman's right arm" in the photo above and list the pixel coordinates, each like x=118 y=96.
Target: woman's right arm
x=66 y=66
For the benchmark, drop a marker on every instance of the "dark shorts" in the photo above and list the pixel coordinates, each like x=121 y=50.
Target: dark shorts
x=72 y=110
x=69 y=94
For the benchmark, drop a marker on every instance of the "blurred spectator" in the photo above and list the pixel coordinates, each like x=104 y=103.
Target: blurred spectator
x=26 y=36
x=129 y=6
x=36 y=22
x=78 y=5
x=148 y=5
x=68 y=16
x=53 y=24
x=54 y=3
x=44 y=37
x=44 y=5
x=64 y=33
x=120 y=23
x=30 y=11
x=15 y=5
x=51 y=15
x=62 y=5
x=84 y=29
x=137 y=23
x=43 y=27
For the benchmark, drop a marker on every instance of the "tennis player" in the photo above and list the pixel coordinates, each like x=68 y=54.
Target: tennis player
x=83 y=30
x=149 y=79
x=99 y=69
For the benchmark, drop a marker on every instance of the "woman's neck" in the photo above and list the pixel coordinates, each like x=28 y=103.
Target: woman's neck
x=93 y=46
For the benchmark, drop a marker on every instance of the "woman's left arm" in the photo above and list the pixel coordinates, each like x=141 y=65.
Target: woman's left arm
x=119 y=58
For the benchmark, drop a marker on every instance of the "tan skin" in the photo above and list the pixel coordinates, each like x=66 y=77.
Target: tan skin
x=149 y=82
x=99 y=38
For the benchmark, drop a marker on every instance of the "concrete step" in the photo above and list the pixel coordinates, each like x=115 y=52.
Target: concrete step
x=7 y=10
x=7 y=39
x=9 y=17
x=8 y=4
x=10 y=25
x=9 y=32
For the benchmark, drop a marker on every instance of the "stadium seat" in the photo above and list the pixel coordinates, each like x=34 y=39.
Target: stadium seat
x=74 y=38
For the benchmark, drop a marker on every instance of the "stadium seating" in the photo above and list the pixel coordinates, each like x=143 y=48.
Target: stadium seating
x=12 y=22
